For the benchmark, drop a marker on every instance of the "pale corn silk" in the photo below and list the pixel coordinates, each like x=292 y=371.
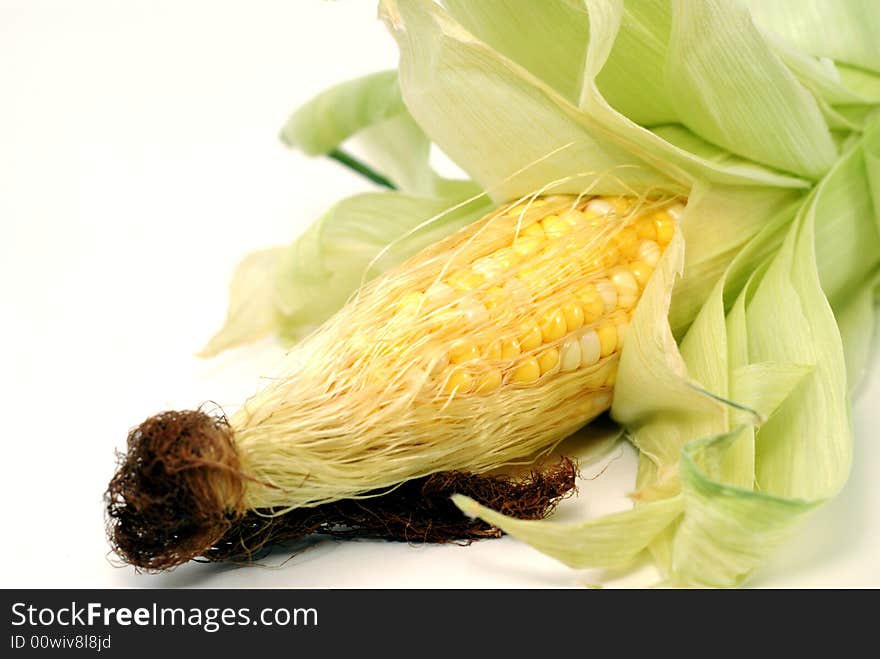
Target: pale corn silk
x=484 y=350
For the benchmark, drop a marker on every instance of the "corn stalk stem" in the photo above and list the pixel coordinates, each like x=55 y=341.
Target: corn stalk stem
x=361 y=168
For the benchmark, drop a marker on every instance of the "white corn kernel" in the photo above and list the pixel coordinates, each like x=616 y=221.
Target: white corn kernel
x=591 y=348
x=649 y=252
x=600 y=207
x=608 y=293
x=473 y=311
x=627 y=287
x=488 y=267
x=571 y=354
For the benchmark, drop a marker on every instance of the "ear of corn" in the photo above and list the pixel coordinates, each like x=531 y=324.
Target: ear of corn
x=483 y=349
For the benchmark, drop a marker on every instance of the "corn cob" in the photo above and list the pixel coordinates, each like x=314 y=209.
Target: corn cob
x=487 y=348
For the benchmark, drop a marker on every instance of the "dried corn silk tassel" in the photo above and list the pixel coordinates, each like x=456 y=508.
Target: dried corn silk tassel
x=486 y=349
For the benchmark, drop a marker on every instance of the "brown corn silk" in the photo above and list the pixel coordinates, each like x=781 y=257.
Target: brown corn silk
x=484 y=350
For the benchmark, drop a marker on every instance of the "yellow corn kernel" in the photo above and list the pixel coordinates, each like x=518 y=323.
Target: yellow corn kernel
x=411 y=303
x=591 y=348
x=641 y=271
x=622 y=331
x=528 y=245
x=646 y=229
x=607 y=339
x=595 y=379
x=593 y=405
x=493 y=351
x=463 y=351
x=494 y=297
x=530 y=336
x=583 y=407
x=608 y=256
x=440 y=294
x=466 y=280
x=665 y=227
x=548 y=360
x=525 y=207
x=570 y=355
x=620 y=204
x=440 y=360
x=487 y=266
x=592 y=303
x=574 y=243
x=627 y=242
x=534 y=230
x=553 y=325
x=584 y=240
x=649 y=252
x=533 y=279
x=488 y=381
x=458 y=382
x=574 y=315
x=575 y=218
x=510 y=349
x=519 y=294
x=506 y=258
x=555 y=226
x=528 y=370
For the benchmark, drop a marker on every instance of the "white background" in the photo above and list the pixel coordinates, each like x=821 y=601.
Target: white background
x=139 y=161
